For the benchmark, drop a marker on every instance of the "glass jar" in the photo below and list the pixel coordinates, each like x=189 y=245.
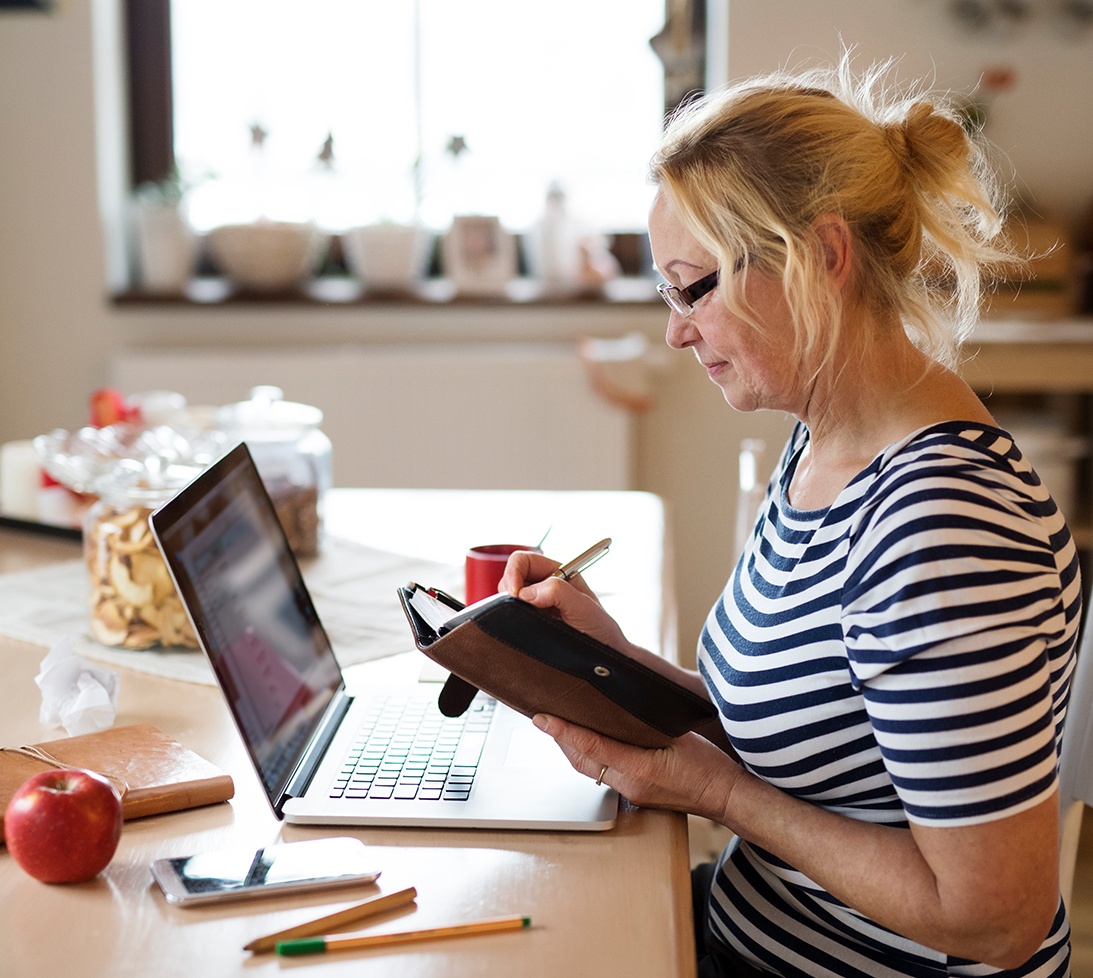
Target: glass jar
x=293 y=457
x=130 y=469
x=134 y=604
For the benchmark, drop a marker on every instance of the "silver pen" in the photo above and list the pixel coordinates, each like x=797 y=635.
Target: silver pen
x=584 y=561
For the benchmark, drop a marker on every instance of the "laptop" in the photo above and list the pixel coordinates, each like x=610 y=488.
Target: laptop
x=317 y=746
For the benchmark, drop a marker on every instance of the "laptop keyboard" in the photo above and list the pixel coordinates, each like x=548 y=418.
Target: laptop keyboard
x=406 y=748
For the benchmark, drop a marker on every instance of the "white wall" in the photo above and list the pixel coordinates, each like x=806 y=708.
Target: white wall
x=59 y=332
x=1043 y=125
x=445 y=415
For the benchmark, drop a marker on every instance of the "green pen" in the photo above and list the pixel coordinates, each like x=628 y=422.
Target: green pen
x=319 y=945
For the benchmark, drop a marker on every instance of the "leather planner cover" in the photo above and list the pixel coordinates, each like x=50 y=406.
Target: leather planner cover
x=535 y=663
x=153 y=772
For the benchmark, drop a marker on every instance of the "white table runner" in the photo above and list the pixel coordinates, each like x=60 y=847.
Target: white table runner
x=353 y=587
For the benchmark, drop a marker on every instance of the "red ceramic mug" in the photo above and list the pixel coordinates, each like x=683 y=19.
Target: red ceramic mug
x=484 y=567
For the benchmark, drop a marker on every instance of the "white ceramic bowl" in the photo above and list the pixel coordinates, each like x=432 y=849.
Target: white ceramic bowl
x=267 y=256
x=387 y=257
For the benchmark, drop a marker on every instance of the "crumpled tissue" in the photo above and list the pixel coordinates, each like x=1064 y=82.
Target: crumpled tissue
x=80 y=695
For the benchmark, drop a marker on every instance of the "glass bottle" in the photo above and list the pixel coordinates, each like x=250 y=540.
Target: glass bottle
x=293 y=457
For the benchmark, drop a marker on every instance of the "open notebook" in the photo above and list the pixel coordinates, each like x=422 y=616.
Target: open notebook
x=325 y=753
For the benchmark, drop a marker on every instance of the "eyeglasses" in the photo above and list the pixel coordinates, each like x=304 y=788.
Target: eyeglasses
x=682 y=300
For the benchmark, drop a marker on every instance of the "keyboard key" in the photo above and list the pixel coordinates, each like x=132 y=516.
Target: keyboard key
x=470 y=749
x=453 y=794
x=411 y=751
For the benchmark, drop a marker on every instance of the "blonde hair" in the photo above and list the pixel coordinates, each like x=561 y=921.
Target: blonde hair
x=751 y=167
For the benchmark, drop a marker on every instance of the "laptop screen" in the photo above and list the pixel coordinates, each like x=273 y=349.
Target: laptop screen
x=240 y=582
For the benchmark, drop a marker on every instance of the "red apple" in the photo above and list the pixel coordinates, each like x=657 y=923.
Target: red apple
x=63 y=826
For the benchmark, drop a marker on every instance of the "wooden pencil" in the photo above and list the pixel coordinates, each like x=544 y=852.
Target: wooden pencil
x=323 y=925
x=315 y=945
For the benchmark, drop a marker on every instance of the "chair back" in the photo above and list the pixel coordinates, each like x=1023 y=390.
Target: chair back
x=1076 y=765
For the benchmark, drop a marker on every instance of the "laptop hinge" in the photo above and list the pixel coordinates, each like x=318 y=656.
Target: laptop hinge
x=316 y=749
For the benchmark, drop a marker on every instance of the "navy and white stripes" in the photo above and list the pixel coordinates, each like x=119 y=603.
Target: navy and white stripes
x=903 y=655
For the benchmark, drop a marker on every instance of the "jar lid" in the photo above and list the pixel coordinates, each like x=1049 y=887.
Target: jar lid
x=268 y=415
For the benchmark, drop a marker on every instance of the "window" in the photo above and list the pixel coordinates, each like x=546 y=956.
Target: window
x=417 y=108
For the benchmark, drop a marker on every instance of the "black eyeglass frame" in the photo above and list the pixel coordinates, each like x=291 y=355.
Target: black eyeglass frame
x=683 y=299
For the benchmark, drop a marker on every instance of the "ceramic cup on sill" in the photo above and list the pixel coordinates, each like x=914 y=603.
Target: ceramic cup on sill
x=388 y=257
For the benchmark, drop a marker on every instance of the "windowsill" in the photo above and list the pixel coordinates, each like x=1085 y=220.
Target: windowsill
x=341 y=292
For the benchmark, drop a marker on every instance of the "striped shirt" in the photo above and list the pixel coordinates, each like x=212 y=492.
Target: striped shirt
x=901 y=656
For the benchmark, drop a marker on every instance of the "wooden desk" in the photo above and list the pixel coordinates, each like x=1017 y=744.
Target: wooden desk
x=604 y=903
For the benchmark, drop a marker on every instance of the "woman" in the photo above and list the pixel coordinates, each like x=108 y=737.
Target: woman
x=891 y=657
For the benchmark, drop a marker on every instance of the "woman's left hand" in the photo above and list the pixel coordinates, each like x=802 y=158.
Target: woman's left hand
x=689 y=775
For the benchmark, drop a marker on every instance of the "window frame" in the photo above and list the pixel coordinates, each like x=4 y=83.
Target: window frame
x=151 y=105
x=147 y=25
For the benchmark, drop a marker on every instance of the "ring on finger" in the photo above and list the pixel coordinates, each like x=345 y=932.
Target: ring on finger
x=603 y=771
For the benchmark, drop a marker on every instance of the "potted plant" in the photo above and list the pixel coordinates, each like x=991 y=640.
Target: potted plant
x=166 y=246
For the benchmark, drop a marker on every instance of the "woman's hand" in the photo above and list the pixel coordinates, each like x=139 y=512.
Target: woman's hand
x=527 y=577
x=987 y=892
x=689 y=775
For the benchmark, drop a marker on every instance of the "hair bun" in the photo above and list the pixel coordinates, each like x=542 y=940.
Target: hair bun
x=926 y=142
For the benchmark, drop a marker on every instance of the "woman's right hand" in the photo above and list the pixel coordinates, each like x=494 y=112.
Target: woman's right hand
x=527 y=577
